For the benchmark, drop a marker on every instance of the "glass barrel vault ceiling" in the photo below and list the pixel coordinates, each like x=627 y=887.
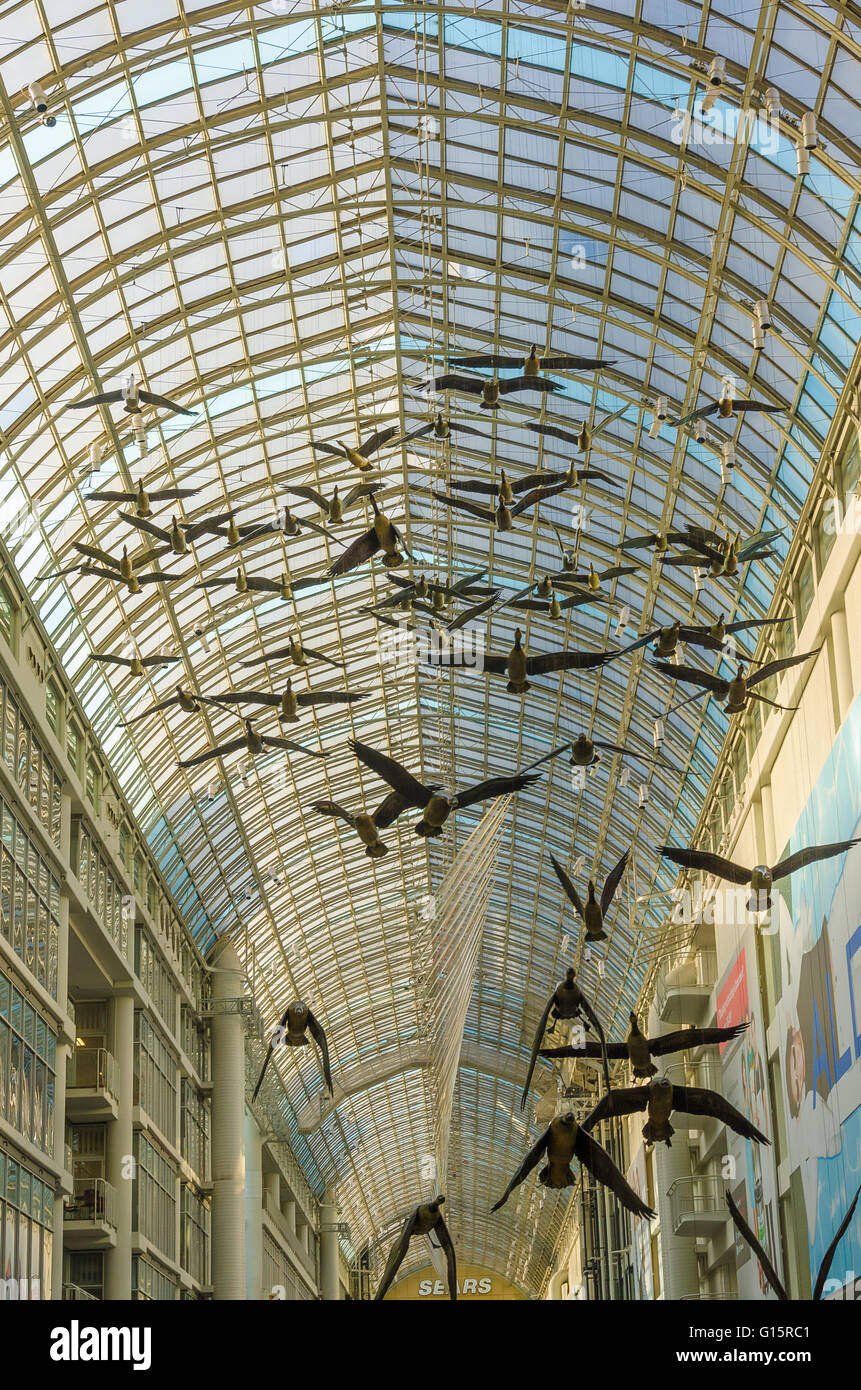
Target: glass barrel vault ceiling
x=286 y=216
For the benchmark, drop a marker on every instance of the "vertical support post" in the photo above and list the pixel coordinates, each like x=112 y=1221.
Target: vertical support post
x=120 y=1151
x=228 y=1131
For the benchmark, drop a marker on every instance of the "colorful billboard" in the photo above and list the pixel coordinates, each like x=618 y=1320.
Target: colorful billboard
x=818 y=1012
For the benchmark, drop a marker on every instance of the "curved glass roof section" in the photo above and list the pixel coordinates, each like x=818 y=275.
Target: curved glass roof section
x=287 y=217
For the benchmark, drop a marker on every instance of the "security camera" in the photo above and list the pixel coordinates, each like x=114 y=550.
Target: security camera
x=809 y=136
x=39 y=98
x=763 y=313
x=661 y=408
x=700 y=431
x=716 y=78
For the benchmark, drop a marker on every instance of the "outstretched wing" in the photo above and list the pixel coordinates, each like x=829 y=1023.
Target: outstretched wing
x=490 y=359
x=528 y=383
x=287 y=743
x=389 y=809
x=537 y=494
x=565 y=661
x=758 y=405
x=363 y=548
x=153 y=709
x=460 y=503
x=396 y=1256
x=378 y=440
x=608 y=419
x=704 y=410
x=103 y=398
x=555 y=432
x=693 y=676
x=392 y=772
x=495 y=786
x=694 y=1100
x=709 y=863
x=767 y=1267
x=612 y=882
x=447 y=1244
x=246 y=697
x=220 y=751
x=539 y=762
x=360 y=490
x=316 y=1030
x=312 y=652
x=567 y=885
x=811 y=855
x=266 y=1062
x=474 y=612
x=539 y=1038
x=532 y=1159
x=311 y=495
x=683 y=1038
x=577 y=364
x=829 y=1253
x=625 y=1100
x=453 y=381
x=152 y=399
x=331 y=808
x=594 y=1157
x=771 y=668
x=334 y=449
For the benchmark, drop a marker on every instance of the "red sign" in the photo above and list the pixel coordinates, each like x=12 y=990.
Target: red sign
x=732 y=1001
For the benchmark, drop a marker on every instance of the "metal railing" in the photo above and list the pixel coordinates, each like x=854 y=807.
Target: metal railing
x=697 y=1196
x=93 y=1069
x=92 y=1199
x=697 y=972
x=74 y=1293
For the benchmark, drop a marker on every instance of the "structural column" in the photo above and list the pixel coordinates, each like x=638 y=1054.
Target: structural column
x=272 y=1188
x=253 y=1211
x=679 y=1272
x=228 y=1128
x=330 y=1261
x=120 y=1165
x=842 y=661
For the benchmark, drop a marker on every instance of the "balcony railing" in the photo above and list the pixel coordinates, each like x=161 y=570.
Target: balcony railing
x=93 y=1069
x=687 y=985
x=92 y=1200
x=74 y=1293
x=698 y=1206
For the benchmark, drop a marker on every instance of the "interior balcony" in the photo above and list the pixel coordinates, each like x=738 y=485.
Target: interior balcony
x=92 y=1086
x=88 y=1217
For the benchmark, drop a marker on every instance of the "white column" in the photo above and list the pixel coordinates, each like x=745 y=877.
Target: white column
x=228 y=1129
x=272 y=1187
x=253 y=1211
x=842 y=661
x=119 y=1167
x=768 y=822
x=678 y=1253
x=330 y=1281
x=679 y=1275
x=61 y=1062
